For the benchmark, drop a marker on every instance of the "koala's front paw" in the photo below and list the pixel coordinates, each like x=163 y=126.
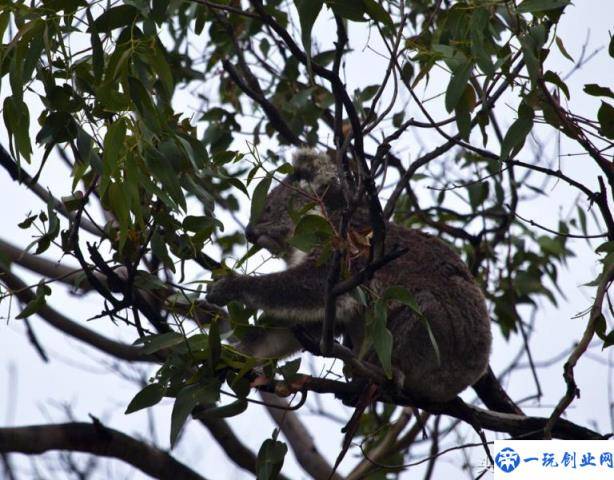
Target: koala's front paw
x=223 y=290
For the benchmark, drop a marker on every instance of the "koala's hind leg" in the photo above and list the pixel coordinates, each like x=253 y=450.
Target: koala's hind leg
x=275 y=342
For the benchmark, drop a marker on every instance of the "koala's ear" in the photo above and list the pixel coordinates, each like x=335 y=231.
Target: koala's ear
x=314 y=166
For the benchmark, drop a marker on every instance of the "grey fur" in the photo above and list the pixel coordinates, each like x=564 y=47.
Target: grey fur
x=438 y=279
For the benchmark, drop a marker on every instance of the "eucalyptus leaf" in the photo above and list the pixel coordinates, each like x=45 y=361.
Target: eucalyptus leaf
x=187 y=399
x=147 y=397
x=270 y=459
x=259 y=198
x=533 y=6
x=115 y=17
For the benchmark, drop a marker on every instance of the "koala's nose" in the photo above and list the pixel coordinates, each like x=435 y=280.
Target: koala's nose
x=250 y=234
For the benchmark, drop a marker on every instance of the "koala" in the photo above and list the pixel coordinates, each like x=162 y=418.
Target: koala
x=431 y=271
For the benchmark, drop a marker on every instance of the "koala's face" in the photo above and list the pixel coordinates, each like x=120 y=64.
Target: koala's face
x=275 y=227
x=313 y=175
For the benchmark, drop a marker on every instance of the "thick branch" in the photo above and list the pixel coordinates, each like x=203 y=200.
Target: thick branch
x=270 y=110
x=98 y=440
x=69 y=327
x=515 y=425
x=42 y=266
x=572 y=390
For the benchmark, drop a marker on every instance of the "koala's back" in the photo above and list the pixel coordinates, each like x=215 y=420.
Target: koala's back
x=453 y=305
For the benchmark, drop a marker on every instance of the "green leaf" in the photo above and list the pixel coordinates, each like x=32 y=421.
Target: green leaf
x=158 y=61
x=149 y=396
x=600 y=329
x=27 y=223
x=463 y=111
x=407 y=72
x=402 y=295
x=553 y=78
x=432 y=338
x=562 y=49
x=67 y=5
x=187 y=398
x=456 y=87
x=311 y=231
x=381 y=336
x=163 y=170
x=605 y=115
x=531 y=44
x=598 y=91
x=198 y=223
x=308 y=11
x=531 y=6
x=360 y=296
x=606 y=247
x=270 y=459
x=144 y=104
x=115 y=17
x=223 y=411
x=153 y=343
x=515 y=137
x=239 y=383
x=58 y=127
x=120 y=207
x=159 y=249
x=259 y=199
x=250 y=253
x=97 y=50
x=377 y=12
x=200 y=17
x=479 y=28
x=351 y=9
x=158 y=9
x=367 y=93
x=17 y=122
x=73 y=202
x=37 y=302
x=285 y=168
x=290 y=369
x=478 y=192
x=53 y=228
x=113 y=145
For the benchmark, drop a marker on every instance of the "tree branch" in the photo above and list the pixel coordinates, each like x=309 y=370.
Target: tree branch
x=515 y=425
x=69 y=327
x=98 y=440
x=568 y=370
x=44 y=267
x=269 y=109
